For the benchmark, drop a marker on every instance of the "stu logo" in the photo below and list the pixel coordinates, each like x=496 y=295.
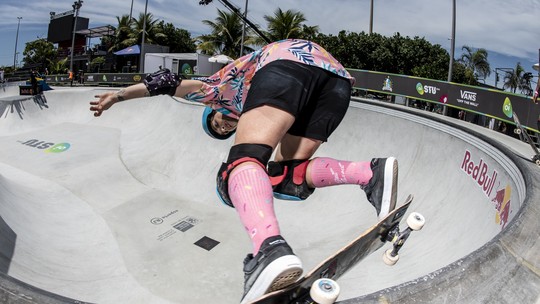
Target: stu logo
x=48 y=147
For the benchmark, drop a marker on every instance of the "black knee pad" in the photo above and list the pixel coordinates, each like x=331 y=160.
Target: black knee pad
x=238 y=154
x=289 y=179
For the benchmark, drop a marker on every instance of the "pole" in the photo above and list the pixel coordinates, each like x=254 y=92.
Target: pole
x=453 y=41
x=16 y=42
x=141 y=67
x=76 y=6
x=371 y=18
x=131 y=11
x=452 y=48
x=243 y=30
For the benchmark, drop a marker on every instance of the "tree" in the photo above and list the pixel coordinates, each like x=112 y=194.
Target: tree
x=396 y=54
x=518 y=79
x=285 y=25
x=39 y=53
x=178 y=40
x=476 y=61
x=225 y=36
x=152 y=32
x=58 y=66
x=122 y=34
x=526 y=84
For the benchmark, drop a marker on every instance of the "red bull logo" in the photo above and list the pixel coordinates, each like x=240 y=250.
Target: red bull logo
x=502 y=205
x=480 y=173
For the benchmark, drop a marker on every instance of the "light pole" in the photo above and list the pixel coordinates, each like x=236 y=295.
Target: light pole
x=76 y=6
x=141 y=65
x=371 y=18
x=452 y=49
x=16 y=41
x=131 y=11
x=243 y=30
x=453 y=42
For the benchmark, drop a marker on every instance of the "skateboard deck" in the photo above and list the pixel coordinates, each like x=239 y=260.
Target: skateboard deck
x=344 y=259
x=523 y=133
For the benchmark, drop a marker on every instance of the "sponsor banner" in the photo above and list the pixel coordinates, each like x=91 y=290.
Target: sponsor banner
x=101 y=78
x=489 y=102
x=114 y=78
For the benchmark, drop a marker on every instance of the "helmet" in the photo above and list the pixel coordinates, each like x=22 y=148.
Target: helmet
x=207 y=116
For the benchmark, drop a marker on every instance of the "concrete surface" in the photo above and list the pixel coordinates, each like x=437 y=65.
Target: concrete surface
x=122 y=208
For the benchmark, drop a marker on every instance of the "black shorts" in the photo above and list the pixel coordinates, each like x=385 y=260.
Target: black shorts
x=317 y=98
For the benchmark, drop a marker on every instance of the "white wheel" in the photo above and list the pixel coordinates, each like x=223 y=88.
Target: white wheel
x=416 y=221
x=324 y=291
x=388 y=259
x=517 y=131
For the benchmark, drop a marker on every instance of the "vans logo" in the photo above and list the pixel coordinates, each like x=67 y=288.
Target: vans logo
x=48 y=147
x=468 y=98
x=468 y=95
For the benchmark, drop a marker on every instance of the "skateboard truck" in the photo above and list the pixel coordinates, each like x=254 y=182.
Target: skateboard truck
x=415 y=222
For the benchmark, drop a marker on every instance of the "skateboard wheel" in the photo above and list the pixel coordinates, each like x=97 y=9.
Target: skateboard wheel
x=388 y=259
x=416 y=221
x=324 y=291
x=536 y=160
x=517 y=131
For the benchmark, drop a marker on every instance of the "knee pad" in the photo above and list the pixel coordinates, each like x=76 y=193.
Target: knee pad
x=289 y=179
x=257 y=153
x=162 y=82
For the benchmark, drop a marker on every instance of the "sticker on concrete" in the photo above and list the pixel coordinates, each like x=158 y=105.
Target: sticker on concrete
x=207 y=243
x=182 y=225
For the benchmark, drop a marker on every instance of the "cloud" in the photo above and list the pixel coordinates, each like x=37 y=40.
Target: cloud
x=506 y=27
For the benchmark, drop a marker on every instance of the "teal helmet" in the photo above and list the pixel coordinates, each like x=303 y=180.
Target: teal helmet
x=207 y=116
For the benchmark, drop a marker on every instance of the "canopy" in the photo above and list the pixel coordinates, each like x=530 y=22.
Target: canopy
x=224 y=59
x=132 y=50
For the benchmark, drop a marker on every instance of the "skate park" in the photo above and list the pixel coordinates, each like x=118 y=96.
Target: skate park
x=122 y=208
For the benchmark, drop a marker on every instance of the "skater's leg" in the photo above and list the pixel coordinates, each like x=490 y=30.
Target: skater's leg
x=273 y=264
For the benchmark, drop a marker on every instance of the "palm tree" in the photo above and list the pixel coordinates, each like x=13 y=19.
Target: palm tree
x=284 y=25
x=225 y=37
x=122 y=33
x=476 y=61
x=137 y=26
x=514 y=80
x=526 y=84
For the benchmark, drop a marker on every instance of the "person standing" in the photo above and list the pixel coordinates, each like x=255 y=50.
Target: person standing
x=33 y=81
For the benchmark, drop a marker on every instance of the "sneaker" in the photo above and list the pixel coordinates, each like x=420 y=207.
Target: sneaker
x=274 y=267
x=381 y=191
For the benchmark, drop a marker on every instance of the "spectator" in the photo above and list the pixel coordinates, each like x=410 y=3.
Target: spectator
x=70 y=75
x=81 y=77
x=33 y=81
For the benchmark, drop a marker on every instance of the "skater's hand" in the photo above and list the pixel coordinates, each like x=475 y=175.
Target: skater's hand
x=105 y=101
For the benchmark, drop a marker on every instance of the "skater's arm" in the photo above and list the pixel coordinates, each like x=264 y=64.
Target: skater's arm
x=108 y=99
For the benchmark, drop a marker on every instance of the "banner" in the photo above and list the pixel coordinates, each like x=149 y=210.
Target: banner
x=488 y=102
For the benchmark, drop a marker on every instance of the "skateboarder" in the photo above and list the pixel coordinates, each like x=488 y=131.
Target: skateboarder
x=290 y=96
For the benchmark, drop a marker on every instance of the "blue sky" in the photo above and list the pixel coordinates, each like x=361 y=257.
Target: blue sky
x=507 y=29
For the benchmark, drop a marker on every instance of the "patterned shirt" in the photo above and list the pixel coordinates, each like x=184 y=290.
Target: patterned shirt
x=226 y=90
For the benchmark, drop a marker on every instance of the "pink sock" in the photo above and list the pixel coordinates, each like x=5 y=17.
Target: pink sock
x=328 y=172
x=251 y=194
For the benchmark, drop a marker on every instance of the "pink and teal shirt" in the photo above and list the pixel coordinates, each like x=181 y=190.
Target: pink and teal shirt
x=226 y=90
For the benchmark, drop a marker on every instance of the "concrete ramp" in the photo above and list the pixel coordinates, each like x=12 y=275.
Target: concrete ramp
x=122 y=208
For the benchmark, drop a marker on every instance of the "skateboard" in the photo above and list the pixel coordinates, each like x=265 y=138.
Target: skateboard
x=523 y=133
x=318 y=285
